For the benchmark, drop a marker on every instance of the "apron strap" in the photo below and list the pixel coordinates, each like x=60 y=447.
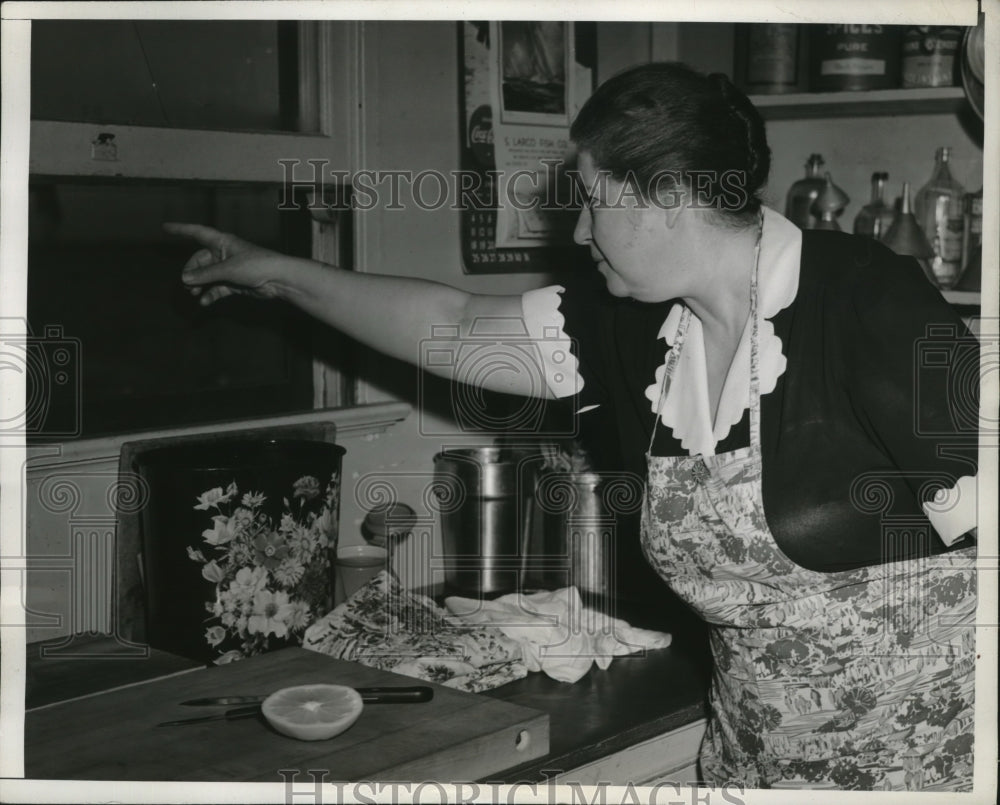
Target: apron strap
x=755 y=344
x=682 y=329
x=668 y=369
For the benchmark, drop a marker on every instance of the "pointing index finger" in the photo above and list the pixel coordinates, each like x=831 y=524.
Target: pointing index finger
x=205 y=235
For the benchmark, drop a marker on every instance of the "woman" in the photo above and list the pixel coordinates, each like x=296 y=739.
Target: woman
x=808 y=491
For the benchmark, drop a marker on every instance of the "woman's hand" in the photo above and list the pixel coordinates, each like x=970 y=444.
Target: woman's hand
x=226 y=265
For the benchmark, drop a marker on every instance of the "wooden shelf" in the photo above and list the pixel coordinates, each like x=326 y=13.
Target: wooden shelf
x=807 y=105
x=963 y=297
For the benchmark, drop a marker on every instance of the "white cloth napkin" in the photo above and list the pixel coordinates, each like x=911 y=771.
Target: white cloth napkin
x=556 y=632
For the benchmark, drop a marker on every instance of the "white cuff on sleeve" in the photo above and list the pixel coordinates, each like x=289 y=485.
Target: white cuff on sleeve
x=953 y=511
x=544 y=322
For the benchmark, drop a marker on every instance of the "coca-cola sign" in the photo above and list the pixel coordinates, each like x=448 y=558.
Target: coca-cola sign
x=481 y=136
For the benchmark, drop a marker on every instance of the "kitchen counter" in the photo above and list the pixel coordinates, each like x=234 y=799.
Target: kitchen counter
x=636 y=699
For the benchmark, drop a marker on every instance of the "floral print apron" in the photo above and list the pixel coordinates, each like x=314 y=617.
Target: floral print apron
x=858 y=679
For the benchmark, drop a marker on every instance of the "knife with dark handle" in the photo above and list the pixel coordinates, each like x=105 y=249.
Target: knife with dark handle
x=390 y=695
x=229 y=715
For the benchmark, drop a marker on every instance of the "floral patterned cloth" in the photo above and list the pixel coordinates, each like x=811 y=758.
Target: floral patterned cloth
x=385 y=626
x=860 y=679
x=475 y=645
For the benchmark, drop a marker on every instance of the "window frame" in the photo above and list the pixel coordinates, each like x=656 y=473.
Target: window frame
x=328 y=80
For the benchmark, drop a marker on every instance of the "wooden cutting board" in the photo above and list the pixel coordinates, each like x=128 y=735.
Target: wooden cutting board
x=112 y=736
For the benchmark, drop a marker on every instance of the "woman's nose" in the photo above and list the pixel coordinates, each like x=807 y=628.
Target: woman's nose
x=581 y=232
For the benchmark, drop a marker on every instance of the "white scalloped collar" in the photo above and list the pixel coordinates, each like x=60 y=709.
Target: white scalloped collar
x=685 y=409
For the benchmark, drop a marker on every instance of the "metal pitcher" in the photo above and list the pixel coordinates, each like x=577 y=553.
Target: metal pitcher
x=579 y=516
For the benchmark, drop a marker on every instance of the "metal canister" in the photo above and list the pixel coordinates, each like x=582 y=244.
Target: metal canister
x=483 y=496
x=770 y=58
x=579 y=513
x=854 y=57
x=579 y=532
x=930 y=56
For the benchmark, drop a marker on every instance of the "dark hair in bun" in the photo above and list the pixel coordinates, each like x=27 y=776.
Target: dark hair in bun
x=664 y=123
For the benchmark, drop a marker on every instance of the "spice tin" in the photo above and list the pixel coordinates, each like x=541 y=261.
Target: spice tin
x=854 y=57
x=930 y=56
x=770 y=58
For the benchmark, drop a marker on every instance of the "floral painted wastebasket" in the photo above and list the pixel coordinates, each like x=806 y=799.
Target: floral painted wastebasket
x=236 y=542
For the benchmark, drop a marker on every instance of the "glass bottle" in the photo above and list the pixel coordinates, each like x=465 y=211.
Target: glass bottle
x=876 y=216
x=905 y=236
x=939 y=210
x=972 y=243
x=802 y=194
